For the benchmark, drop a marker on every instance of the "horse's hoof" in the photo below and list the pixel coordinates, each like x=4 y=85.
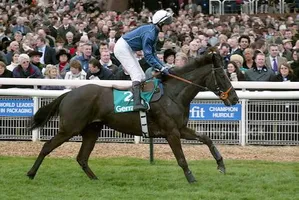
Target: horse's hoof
x=93 y=177
x=221 y=169
x=192 y=181
x=31 y=176
x=190 y=177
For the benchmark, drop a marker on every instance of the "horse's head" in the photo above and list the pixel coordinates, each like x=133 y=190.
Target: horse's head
x=219 y=83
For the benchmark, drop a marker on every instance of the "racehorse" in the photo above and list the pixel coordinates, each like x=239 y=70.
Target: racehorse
x=84 y=110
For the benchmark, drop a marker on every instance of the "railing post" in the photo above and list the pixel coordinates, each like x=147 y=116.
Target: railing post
x=35 y=133
x=243 y=123
x=137 y=139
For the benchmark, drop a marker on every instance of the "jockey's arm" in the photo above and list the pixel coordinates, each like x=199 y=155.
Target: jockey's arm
x=148 y=47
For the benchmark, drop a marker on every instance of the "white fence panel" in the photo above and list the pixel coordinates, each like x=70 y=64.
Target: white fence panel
x=268 y=118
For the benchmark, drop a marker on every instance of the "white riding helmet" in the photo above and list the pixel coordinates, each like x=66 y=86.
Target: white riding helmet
x=162 y=17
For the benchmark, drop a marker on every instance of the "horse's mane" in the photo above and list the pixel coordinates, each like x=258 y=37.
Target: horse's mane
x=198 y=62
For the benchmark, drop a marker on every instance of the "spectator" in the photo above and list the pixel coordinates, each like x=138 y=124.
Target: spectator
x=249 y=59
x=106 y=62
x=18 y=37
x=296 y=45
x=54 y=26
x=75 y=73
x=35 y=60
x=49 y=39
x=112 y=38
x=21 y=27
x=233 y=72
x=295 y=63
x=4 y=73
x=65 y=27
x=169 y=57
x=104 y=33
x=287 y=49
x=97 y=71
x=244 y=42
x=26 y=70
x=212 y=39
x=69 y=44
x=48 y=53
x=273 y=60
x=259 y=47
x=63 y=66
x=51 y=72
x=59 y=43
x=239 y=60
x=181 y=59
x=2 y=56
x=224 y=52
x=234 y=46
x=13 y=46
x=185 y=49
x=161 y=40
x=260 y=72
x=14 y=63
x=222 y=39
x=285 y=74
x=85 y=57
x=193 y=52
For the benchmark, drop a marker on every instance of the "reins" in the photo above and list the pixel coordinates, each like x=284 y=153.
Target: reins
x=222 y=95
x=187 y=81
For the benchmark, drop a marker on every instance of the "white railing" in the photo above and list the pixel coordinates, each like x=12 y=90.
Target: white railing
x=243 y=93
x=61 y=82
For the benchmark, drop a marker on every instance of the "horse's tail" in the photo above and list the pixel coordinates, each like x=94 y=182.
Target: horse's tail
x=45 y=113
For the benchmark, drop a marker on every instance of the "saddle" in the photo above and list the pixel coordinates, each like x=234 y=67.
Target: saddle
x=146 y=86
x=150 y=86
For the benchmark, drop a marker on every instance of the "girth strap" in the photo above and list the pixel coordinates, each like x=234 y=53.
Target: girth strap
x=143 y=122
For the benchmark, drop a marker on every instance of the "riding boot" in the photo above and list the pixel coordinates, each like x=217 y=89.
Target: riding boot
x=136 y=96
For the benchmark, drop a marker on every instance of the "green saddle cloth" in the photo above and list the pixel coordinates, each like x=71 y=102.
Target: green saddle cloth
x=123 y=99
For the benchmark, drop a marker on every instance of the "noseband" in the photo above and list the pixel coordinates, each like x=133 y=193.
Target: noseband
x=222 y=95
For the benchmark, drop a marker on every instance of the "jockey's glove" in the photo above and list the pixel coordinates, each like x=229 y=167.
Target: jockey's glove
x=165 y=71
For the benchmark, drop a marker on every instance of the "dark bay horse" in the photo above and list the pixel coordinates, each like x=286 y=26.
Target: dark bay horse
x=86 y=109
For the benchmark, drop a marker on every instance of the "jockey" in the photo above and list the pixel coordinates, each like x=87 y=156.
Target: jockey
x=142 y=38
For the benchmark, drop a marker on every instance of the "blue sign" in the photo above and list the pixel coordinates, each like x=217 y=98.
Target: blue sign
x=214 y=112
x=16 y=108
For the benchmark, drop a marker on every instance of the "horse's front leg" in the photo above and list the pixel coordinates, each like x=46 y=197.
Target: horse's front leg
x=176 y=146
x=190 y=134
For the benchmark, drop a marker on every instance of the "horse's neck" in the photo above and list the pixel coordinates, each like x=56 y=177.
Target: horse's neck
x=182 y=92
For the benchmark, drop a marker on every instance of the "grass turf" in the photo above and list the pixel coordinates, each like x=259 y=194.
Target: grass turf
x=127 y=178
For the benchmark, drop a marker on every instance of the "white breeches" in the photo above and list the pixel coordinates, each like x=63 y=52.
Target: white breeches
x=126 y=57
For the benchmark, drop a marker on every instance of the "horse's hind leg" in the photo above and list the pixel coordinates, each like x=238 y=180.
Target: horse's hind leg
x=89 y=136
x=48 y=147
x=191 y=135
x=176 y=146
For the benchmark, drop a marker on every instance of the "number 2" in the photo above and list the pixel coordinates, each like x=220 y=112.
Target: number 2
x=129 y=96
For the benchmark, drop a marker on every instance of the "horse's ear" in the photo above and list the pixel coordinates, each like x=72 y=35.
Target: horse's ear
x=212 y=50
x=217 y=59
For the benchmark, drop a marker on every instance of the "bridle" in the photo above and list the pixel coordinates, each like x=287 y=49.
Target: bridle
x=222 y=95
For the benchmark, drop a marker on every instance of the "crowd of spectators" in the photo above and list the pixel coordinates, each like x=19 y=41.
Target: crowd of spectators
x=74 y=39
